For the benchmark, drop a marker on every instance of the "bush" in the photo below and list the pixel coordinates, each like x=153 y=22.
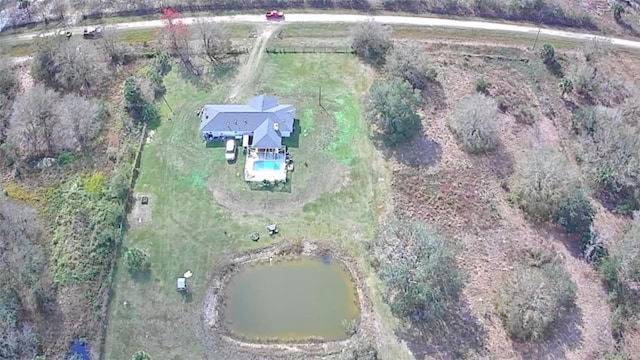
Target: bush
x=548 y=53
x=584 y=121
x=473 y=122
x=371 y=41
x=418 y=268
x=8 y=79
x=524 y=114
x=587 y=81
x=566 y=86
x=141 y=355
x=135 y=260
x=362 y=350
x=627 y=254
x=612 y=152
x=575 y=213
x=408 y=61
x=541 y=180
x=481 y=85
x=391 y=107
x=533 y=298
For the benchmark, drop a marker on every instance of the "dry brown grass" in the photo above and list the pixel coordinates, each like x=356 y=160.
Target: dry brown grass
x=465 y=195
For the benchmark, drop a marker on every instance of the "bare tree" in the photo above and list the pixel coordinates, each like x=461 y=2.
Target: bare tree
x=81 y=118
x=34 y=120
x=409 y=62
x=80 y=68
x=115 y=50
x=371 y=41
x=8 y=79
x=214 y=39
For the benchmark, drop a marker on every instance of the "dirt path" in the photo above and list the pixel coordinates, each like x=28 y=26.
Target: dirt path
x=249 y=69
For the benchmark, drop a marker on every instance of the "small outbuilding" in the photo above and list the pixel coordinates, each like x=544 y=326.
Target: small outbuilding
x=181 y=284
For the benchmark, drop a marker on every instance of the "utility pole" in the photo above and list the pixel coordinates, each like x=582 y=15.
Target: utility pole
x=538 y=35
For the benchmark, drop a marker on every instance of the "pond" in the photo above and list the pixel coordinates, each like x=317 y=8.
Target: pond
x=291 y=300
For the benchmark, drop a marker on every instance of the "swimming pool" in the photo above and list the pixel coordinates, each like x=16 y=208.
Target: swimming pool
x=271 y=165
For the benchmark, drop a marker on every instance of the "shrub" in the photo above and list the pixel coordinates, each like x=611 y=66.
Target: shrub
x=501 y=102
x=135 y=260
x=141 y=355
x=587 y=81
x=627 y=253
x=533 y=298
x=418 y=268
x=618 y=10
x=391 y=106
x=575 y=213
x=362 y=350
x=481 y=85
x=370 y=41
x=473 y=122
x=584 y=121
x=524 y=114
x=408 y=61
x=548 y=53
x=566 y=86
x=541 y=180
x=8 y=79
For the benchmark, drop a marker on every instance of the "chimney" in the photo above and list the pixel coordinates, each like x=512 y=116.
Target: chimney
x=275 y=126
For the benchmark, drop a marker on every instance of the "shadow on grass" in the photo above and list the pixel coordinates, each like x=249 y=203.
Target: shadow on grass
x=187 y=297
x=223 y=70
x=459 y=336
x=434 y=95
x=214 y=144
x=142 y=276
x=294 y=140
x=270 y=187
x=564 y=336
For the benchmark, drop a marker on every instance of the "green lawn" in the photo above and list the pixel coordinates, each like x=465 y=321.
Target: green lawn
x=188 y=227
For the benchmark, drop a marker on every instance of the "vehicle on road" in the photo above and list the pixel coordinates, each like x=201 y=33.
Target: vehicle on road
x=275 y=15
x=230 y=150
x=92 y=33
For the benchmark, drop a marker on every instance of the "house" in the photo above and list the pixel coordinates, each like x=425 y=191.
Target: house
x=263 y=120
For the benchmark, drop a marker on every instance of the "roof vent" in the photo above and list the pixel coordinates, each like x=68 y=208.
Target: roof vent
x=235 y=121
x=245 y=120
x=275 y=126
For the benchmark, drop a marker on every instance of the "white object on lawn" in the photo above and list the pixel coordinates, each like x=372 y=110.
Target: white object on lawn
x=188 y=274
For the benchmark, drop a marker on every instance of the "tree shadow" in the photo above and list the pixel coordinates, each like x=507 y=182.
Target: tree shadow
x=459 y=335
x=564 y=336
x=417 y=152
x=554 y=67
x=223 y=70
x=191 y=74
x=187 y=296
x=142 y=276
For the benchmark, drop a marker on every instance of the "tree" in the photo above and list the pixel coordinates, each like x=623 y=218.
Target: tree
x=541 y=180
x=473 y=122
x=587 y=81
x=575 y=213
x=141 y=355
x=371 y=41
x=566 y=86
x=8 y=79
x=534 y=297
x=214 y=39
x=618 y=10
x=135 y=260
x=481 y=85
x=391 y=106
x=548 y=53
x=626 y=253
x=139 y=94
x=176 y=34
x=82 y=117
x=69 y=65
x=33 y=124
x=418 y=268
x=408 y=61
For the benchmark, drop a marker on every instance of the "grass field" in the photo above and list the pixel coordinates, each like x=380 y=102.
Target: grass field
x=189 y=229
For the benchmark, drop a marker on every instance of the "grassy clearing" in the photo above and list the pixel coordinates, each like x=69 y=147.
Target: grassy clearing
x=17 y=50
x=188 y=230
x=138 y=36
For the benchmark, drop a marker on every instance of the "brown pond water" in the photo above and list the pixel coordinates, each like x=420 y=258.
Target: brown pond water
x=291 y=300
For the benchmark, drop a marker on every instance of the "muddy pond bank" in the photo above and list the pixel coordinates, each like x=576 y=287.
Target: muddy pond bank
x=218 y=335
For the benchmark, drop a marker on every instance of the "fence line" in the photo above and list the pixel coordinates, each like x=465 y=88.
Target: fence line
x=309 y=50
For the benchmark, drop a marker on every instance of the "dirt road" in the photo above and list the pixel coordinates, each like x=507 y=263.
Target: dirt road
x=352 y=18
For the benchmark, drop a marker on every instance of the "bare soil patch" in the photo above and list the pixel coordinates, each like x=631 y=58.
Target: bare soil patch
x=140 y=214
x=215 y=336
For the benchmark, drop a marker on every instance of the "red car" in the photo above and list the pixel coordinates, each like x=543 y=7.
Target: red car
x=275 y=15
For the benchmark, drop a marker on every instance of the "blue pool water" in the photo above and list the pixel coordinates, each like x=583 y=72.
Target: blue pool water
x=79 y=349
x=267 y=165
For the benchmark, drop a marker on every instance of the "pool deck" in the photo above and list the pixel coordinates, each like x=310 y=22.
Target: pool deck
x=263 y=175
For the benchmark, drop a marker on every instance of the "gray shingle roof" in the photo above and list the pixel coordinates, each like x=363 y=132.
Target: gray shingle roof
x=249 y=117
x=265 y=136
